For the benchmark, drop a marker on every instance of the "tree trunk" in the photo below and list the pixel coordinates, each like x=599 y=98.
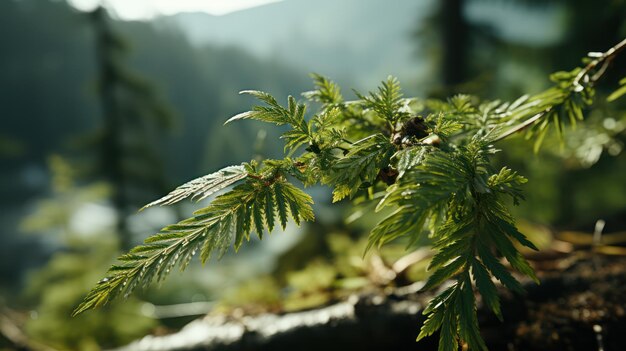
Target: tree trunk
x=454 y=43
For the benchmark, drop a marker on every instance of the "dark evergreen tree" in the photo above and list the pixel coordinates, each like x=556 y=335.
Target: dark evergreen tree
x=134 y=120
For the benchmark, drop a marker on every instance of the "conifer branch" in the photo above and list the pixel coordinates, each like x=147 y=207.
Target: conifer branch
x=434 y=170
x=604 y=60
x=360 y=166
x=580 y=82
x=226 y=222
x=520 y=127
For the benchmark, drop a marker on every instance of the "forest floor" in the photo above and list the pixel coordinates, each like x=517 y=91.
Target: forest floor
x=579 y=305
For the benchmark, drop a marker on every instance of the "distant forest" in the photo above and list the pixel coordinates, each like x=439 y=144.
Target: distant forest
x=49 y=99
x=49 y=102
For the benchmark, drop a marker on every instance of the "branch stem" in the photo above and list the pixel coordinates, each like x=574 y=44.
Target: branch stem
x=603 y=60
x=523 y=125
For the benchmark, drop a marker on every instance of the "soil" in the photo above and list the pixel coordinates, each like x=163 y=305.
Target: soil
x=579 y=305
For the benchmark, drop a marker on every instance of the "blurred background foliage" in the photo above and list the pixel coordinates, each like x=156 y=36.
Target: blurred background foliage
x=101 y=115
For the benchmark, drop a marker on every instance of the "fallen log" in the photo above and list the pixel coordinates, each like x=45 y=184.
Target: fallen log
x=579 y=305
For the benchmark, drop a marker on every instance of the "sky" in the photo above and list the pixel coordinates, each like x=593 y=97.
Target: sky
x=147 y=9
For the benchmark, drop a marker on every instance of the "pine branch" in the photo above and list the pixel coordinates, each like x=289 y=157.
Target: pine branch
x=460 y=190
x=465 y=250
x=507 y=182
x=572 y=94
x=438 y=179
x=226 y=222
x=602 y=60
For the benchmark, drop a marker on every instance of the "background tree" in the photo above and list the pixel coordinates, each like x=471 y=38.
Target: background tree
x=55 y=288
x=135 y=117
x=48 y=60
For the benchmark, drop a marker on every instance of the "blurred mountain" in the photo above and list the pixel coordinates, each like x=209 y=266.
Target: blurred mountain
x=49 y=96
x=359 y=41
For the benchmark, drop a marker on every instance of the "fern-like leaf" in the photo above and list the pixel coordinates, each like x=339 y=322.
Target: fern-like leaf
x=230 y=217
x=203 y=187
x=465 y=250
x=421 y=190
x=486 y=287
x=273 y=112
x=465 y=306
x=459 y=189
x=360 y=166
x=387 y=102
x=326 y=92
x=507 y=182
